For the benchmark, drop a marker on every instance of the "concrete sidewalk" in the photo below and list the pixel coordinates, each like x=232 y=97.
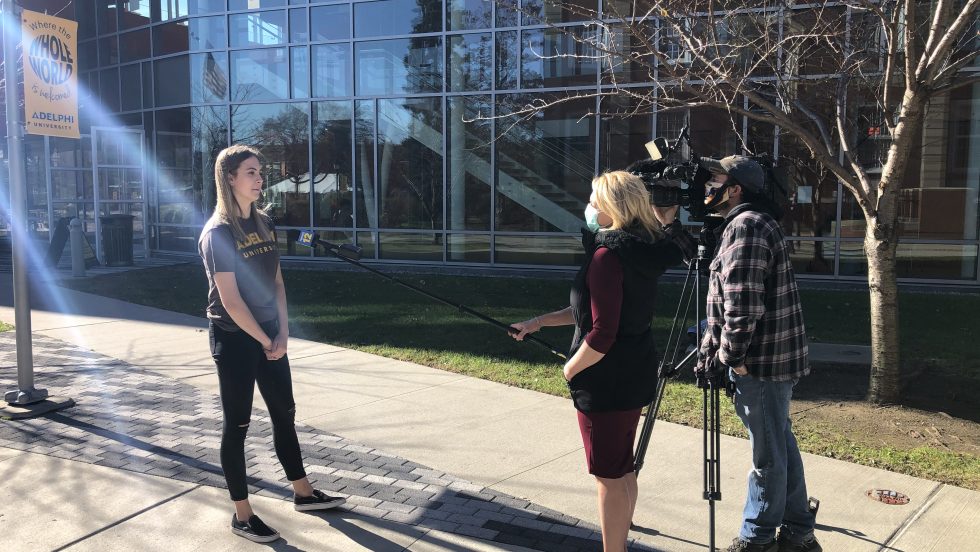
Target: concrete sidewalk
x=502 y=466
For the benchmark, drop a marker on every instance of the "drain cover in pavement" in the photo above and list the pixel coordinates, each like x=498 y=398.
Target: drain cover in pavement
x=888 y=497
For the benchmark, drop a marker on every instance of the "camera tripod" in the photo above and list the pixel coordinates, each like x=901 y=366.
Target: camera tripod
x=711 y=384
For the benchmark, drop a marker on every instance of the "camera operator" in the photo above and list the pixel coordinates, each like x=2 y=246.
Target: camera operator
x=612 y=366
x=755 y=336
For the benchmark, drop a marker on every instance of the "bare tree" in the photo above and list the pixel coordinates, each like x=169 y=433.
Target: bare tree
x=826 y=75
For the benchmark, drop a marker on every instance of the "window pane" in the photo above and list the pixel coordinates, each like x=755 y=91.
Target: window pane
x=470 y=62
x=172 y=81
x=88 y=55
x=410 y=247
x=282 y=133
x=175 y=183
x=134 y=13
x=71 y=185
x=626 y=127
x=299 y=26
x=917 y=260
x=330 y=70
x=470 y=179
x=85 y=12
x=172 y=9
x=543 y=64
x=537 y=12
x=207 y=33
x=630 y=60
x=236 y=5
x=132 y=87
x=199 y=7
x=147 y=85
x=462 y=15
x=812 y=257
x=397 y=17
x=209 y=126
x=299 y=60
x=468 y=248
x=259 y=74
x=538 y=250
x=507 y=13
x=209 y=77
x=135 y=45
x=364 y=128
x=108 y=51
x=109 y=88
x=410 y=163
x=333 y=200
x=258 y=29
x=508 y=61
x=330 y=22
x=619 y=9
x=402 y=66
x=170 y=38
x=544 y=165
x=107 y=15
x=811 y=190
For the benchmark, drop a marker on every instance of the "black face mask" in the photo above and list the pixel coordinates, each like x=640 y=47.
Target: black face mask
x=717 y=197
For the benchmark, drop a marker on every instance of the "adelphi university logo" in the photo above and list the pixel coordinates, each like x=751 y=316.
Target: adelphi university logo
x=50 y=75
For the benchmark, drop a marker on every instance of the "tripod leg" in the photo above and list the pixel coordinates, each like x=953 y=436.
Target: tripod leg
x=647 y=430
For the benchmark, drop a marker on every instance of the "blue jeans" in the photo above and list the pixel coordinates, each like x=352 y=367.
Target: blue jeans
x=777 y=497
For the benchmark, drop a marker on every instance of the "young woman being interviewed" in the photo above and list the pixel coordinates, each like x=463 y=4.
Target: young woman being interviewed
x=249 y=330
x=612 y=365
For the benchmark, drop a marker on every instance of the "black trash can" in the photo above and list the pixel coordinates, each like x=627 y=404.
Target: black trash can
x=117 y=239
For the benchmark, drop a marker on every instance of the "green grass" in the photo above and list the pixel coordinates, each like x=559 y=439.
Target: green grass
x=4 y=327
x=365 y=312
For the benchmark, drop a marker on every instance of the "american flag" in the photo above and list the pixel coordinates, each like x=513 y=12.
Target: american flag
x=214 y=77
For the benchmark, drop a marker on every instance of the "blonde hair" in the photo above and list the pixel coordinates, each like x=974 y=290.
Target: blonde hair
x=226 y=208
x=623 y=197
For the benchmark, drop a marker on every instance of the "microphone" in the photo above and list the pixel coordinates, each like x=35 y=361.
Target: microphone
x=309 y=238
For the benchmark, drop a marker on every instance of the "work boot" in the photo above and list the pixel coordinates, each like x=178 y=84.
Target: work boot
x=739 y=545
x=809 y=544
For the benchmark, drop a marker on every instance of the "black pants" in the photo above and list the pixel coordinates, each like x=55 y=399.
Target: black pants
x=241 y=363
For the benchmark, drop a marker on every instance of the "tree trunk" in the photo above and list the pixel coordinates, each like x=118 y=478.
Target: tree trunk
x=885 y=385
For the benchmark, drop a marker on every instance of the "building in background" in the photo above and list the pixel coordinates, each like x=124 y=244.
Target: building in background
x=379 y=124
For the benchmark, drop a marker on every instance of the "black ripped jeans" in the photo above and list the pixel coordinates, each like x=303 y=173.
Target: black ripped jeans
x=241 y=363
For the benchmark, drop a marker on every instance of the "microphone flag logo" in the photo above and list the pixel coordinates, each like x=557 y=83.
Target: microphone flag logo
x=306 y=238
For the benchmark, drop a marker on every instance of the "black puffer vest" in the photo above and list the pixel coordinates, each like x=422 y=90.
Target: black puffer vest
x=626 y=378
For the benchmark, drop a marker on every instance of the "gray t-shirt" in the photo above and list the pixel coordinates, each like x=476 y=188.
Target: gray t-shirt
x=254 y=263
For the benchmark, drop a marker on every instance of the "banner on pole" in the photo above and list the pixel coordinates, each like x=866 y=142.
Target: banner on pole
x=50 y=45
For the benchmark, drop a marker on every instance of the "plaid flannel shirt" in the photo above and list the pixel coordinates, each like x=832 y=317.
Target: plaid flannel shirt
x=754 y=312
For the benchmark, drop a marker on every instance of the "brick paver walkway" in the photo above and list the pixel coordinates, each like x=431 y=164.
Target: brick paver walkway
x=133 y=419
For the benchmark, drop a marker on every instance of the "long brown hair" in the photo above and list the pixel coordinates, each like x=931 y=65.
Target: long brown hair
x=623 y=197
x=226 y=208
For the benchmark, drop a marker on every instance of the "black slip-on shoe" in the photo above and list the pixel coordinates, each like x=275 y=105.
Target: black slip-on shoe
x=317 y=501
x=254 y=529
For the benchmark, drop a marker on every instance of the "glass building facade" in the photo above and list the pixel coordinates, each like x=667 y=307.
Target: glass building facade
x=382 y=124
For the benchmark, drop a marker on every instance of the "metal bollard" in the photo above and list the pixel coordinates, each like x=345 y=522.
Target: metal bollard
x=77 y=248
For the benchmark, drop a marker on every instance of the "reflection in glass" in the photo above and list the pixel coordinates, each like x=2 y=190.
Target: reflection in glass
x=626 y=126
x=544 y=165
x=299 y=26
x=409 y=247
x=135 y=45
x=199 y=7
x=71 y=185
x=108 y=50
x=630 y=60
x=259 y=74
x=209 y=77
x=811 y=192
x=364 y=130
x=170 y=38
x=401 y=66
x=537 y=12
x=397 y=17
x=624 y=9
x=410 y=163
x=175 y=181
x=470 y=62
x=811 y=257
x=508 y=12
x=299 y=60
x=468 y=248
x=333 y=194
x=470 y=178
x=209 y=127
x=917 y=260
x=330 y=70
x=132 y=93
x=339 y=237
x=134 y=13
x=330 y=22
x=538 y=250
x=171 y=81
x=107 y=15
x=545 y=60
x=463 y=15
x=281 y=133
x=172 y=9
x=236 y=5
x=508 y=62
x=109 y=88
x=207 y=33
x=258 y=29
